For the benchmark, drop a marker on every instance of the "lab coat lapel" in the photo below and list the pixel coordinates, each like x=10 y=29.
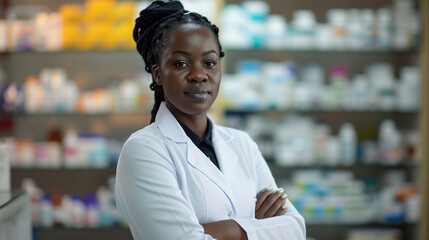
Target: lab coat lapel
x=228 y=160
x=200 y=161
x=171 y=128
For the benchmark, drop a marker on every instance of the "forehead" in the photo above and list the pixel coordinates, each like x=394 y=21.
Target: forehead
x=190 y=36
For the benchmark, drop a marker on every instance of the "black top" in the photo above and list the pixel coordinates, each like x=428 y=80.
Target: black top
x=205 y=144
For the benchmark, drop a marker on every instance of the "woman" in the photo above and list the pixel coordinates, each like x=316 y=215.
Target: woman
x=183 y=177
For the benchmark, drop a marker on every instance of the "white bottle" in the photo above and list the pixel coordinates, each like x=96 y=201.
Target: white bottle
x=389 y=140
x=348 y=143
x=333 y=151
x=47 y=218
x=408 y=89
x=383 y=33
x=71 y=148
x=358 y=99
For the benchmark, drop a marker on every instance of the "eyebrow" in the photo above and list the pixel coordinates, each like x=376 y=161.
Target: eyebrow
x=189 y=54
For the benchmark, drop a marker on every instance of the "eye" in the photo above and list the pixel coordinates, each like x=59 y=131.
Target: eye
x=210 y=64
x=180 y=64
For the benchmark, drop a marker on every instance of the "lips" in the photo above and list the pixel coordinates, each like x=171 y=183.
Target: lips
x=197 y=93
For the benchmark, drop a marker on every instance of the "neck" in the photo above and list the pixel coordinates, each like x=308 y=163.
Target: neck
x=197 y=124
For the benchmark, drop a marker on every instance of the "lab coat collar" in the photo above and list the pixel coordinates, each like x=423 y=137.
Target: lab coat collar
x=169 y=126
x=228 y=160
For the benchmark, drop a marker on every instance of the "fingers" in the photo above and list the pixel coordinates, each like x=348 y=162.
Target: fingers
x=278 y=208
x=262 y=196
x=282 y=210
x=273 y=205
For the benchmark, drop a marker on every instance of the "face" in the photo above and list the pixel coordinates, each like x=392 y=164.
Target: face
x=189 y=70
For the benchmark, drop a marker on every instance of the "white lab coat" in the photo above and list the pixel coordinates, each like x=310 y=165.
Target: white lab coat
x=166 y=187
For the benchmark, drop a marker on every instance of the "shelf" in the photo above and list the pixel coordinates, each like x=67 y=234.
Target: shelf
x=357 y=166
x=316 y=111
x=70 y=51
x=71 y=181
x=66 y=233
x=74 y=114
x=110 y=168
x=345 y=51
x=359 y=224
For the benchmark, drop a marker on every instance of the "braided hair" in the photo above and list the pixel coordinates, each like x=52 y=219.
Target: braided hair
x=150 y=29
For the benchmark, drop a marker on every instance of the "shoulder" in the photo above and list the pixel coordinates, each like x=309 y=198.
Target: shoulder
x=147 y=138
x=239 y=137
x=231 y=132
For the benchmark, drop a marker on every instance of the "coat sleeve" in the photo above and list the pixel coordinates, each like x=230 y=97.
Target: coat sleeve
x=148 y=195
x=290 y=226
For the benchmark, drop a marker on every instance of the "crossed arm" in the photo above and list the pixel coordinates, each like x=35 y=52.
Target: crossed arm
x=269 y=204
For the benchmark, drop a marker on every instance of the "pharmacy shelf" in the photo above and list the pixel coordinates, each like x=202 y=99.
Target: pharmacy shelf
x=77 y=114
x=322 y=51
x=98 y=233
x=355 y=166
x=70 y=181
x=327 y=231
x=315 y=111
x=370 y=172
x=317 y=231
x=109 y=168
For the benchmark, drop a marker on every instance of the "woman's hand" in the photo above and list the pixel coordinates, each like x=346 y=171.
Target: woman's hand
x=270 y=204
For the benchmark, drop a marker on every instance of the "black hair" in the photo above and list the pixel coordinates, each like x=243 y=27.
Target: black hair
x=150 y=29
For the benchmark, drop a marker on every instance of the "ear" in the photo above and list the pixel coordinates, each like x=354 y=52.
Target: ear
x=156 y=74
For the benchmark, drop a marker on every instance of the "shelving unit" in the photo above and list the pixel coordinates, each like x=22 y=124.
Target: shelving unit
x=366 y=122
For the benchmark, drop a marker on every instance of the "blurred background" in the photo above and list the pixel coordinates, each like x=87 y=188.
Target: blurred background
x=330 y=90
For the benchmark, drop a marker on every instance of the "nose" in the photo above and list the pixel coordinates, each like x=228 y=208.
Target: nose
x=197 y=74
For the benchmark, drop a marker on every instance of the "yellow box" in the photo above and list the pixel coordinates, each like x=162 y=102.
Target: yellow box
x=95 y=35
x=99 y=11
x=71 y=13
x=124 y=12
x=72 y=36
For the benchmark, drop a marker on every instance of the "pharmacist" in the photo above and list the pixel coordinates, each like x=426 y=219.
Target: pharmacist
x=184 y=177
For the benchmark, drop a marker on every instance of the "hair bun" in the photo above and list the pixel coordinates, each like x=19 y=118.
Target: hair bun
x=153 y=14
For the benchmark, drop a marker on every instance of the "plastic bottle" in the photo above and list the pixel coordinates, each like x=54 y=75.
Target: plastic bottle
x=408 y=89
x=58 y=211
x=355 y=31
x=390 y=143
x=348 y=143
x=367 y=22
x=339 y=85
x=105 y=199
x=333 y=151
x=384 y=29
x=79 y=212
x=383 y=82
x=276 y=28
x=337 y=19
x=314 y=76
x=92 y=211
x=71 y=148
x=258 y=12
x=47 y=212
x=302 y=31
x=358 y=97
